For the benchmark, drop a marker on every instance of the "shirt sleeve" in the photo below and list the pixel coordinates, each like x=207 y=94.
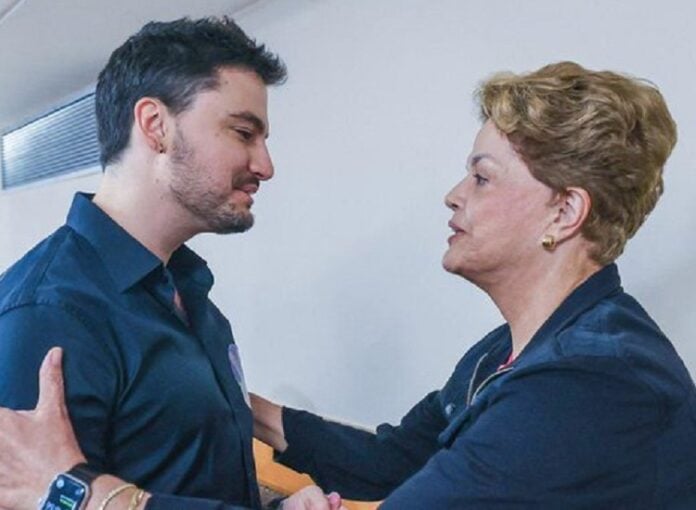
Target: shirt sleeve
x=567 y=437
x=360 y=464
x=26 y=334
x=169 y=502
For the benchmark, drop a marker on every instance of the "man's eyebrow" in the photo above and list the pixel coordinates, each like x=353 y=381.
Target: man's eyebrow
x=253 y=119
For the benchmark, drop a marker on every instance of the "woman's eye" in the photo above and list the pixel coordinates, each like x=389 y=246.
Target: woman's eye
x=480 y=180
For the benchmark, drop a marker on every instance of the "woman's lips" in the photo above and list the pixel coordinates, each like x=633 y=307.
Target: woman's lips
x=458 y=232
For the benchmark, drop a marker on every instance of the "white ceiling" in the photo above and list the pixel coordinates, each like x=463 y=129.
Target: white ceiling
x=50 y=50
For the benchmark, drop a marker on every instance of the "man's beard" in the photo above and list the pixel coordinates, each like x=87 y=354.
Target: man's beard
x=191 y=191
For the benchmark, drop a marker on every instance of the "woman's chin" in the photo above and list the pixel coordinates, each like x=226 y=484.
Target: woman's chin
x=451 y=265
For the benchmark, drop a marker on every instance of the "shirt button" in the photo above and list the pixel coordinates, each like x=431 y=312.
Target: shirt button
x=449 y=408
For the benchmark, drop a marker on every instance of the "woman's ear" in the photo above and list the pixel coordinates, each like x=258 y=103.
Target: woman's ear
x=572 y=208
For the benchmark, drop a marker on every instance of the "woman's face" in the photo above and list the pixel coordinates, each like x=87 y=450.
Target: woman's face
x=500 y=213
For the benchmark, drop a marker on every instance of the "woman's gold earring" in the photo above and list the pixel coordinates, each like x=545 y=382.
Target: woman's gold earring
x=548 y=242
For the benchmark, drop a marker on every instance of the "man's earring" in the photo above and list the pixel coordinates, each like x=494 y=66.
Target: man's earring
x=548 y=242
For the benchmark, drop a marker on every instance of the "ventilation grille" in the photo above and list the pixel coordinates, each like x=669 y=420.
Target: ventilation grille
x=59 y=143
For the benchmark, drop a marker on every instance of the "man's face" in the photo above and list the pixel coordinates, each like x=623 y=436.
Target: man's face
x=219 y=154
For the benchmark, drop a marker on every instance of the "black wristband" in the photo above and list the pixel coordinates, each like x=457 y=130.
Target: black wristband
x=84 y=472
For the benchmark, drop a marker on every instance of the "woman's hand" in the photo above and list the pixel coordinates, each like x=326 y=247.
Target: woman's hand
x=313 y=498
x=37 y=445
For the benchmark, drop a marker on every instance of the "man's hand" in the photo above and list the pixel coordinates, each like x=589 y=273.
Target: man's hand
x=37 y=445
x=313 y=498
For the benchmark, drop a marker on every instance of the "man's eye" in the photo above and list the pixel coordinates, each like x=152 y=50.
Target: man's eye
x=244 y=134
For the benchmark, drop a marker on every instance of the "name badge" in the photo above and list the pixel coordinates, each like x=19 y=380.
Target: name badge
x=237 y=371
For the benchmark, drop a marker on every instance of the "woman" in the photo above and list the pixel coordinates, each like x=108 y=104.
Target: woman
x=578 y=400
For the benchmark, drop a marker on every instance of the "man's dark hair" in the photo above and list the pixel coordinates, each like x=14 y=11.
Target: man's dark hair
x=172 y=61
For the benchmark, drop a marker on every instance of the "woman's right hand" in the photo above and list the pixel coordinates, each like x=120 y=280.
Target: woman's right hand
x=36 y=445
x=313 y=498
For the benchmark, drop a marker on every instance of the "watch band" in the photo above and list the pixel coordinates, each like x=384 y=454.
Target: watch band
x=84 y=472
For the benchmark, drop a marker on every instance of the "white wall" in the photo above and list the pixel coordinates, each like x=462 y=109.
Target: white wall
x=337 y=296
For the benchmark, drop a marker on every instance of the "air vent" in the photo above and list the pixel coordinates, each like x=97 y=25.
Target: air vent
x=59 y=143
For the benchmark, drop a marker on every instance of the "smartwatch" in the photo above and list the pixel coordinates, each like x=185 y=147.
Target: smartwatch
x=70 y=490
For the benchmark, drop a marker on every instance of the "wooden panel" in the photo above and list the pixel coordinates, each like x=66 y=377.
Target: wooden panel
x=286 y=481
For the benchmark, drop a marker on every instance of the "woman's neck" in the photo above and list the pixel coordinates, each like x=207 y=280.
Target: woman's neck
x=527 y=298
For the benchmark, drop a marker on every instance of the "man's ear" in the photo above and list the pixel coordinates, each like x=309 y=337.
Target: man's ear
x=150 y=122
x=572 y=209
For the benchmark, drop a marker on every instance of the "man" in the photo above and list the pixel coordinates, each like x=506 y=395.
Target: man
x=155 y=387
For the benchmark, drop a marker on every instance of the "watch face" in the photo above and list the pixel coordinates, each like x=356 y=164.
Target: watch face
x=66 y=493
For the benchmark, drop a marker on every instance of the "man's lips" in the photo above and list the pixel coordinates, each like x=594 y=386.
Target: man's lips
x=249 y=188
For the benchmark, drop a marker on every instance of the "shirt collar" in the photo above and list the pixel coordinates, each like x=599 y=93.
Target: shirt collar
x=186 y=265
x=126 y=259
x=597 y=287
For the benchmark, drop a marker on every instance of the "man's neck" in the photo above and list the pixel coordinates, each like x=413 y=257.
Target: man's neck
x=143 y=209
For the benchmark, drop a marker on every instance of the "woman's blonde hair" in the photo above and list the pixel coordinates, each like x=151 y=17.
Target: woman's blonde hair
x=606 y=133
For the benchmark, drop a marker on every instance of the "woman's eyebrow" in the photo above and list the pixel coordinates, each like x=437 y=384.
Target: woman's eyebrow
x=476 y=158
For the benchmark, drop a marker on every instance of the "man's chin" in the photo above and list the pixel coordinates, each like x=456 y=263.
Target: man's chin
x=232 y=225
